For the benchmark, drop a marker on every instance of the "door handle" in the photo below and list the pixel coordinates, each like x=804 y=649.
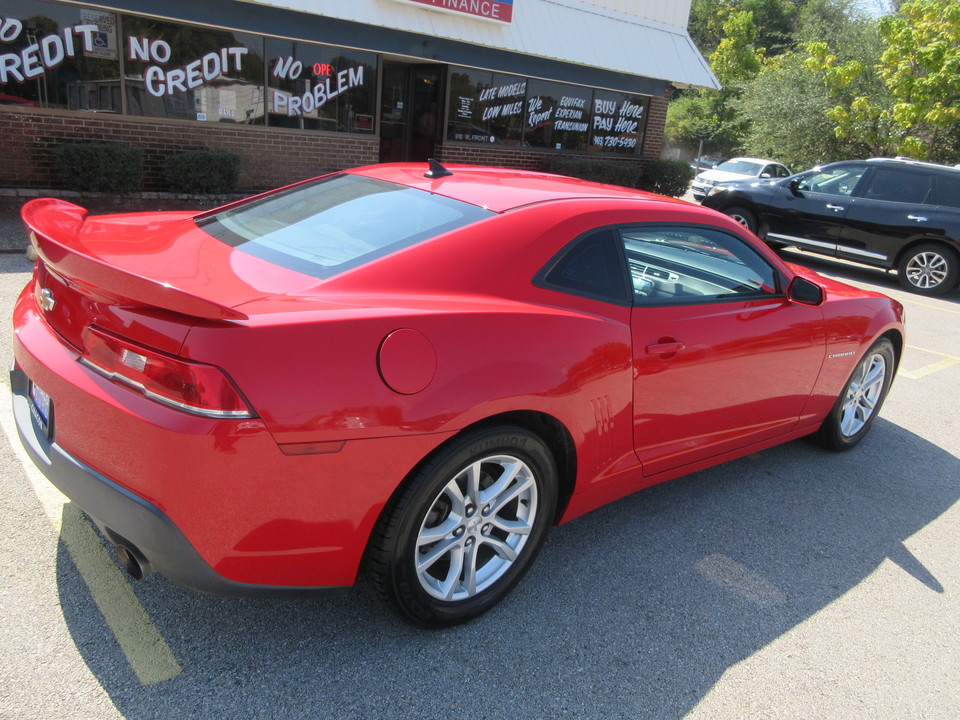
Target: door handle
x=918 y=218
x=834 y=207
x=665 y=348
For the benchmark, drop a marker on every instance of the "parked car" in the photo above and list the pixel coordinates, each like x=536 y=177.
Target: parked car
x=422 y=371
x=706 y=162
x=891 y=213
x=734 y=169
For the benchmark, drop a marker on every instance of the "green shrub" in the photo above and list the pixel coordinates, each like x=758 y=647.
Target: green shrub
x=202 y=171
x=667 y=177
x=101 y=167
x=596 y=170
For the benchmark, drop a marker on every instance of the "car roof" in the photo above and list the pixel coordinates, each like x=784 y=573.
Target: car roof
x=919 y=164
x=896 y=162
x=756 y=160
x=501 y=189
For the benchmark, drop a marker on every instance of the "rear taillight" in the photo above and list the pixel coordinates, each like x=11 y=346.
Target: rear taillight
x=188 y=386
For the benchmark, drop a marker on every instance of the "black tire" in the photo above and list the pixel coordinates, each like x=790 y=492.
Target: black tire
x=860 y=400
x=437 y=518
x=743 y=216
x=929 y=269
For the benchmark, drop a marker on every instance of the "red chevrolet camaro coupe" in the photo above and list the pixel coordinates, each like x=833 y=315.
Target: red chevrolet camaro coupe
x=415 y=370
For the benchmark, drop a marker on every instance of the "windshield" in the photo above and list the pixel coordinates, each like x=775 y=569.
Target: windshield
x=743 y=167
x=339 y=222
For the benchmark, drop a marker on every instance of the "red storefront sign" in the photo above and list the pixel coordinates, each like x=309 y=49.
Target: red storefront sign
x=499 y=10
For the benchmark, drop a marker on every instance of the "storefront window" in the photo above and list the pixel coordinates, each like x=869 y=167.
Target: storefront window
x=69 y=57
x=558 y=115
x=486 y=107
x=618 y=122
x=58 y=56
x=192 y=73
x=317 y=87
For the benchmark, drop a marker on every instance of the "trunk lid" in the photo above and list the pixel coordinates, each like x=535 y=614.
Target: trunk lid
x=147 y=276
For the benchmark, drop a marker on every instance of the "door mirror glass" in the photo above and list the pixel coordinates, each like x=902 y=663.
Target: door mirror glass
x=805 y=292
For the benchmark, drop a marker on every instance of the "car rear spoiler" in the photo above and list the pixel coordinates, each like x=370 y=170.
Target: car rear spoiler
x=55 y=233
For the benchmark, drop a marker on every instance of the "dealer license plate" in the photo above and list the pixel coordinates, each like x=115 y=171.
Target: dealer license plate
x=41 y=407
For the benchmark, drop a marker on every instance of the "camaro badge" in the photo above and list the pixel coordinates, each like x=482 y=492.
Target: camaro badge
x=46 y=299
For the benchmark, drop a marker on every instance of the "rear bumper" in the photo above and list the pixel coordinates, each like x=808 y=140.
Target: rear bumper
x=123 y=516
x=212 y=504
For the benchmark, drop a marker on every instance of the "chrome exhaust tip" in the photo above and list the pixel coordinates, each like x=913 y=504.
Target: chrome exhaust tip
x=133 y=561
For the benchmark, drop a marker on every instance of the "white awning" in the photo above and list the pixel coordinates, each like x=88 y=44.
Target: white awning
x=570 y=31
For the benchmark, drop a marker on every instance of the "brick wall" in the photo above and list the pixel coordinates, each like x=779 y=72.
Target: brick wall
x=493 y=155
x=653 y=140
x=268 y=157
x=500 y=156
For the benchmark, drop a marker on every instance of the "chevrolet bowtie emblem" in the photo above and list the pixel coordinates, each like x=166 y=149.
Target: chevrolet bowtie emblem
x=46 y=299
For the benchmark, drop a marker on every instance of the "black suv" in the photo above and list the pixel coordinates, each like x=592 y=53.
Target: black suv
x=887 y=212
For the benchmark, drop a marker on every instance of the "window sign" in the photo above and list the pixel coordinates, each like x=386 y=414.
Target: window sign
x=486 y=107
x=104 y=38
x=501 y=107
x=192 y=73
x=320 y=87
x=464 y=116
x=618 y=121
x=511 y=110
x=558 y=116
x=58 y=56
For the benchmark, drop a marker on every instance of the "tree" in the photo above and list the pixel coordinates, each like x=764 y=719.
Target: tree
x=713 y=116
x=775 y=21
x=786 y=109
x=786 y=104
x=920 y=71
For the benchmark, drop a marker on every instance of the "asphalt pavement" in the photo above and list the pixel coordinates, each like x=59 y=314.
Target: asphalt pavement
x=792 y=584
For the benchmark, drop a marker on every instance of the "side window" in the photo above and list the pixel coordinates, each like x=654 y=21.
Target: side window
x=948 y=191
x=678 y=265
x=590 y=266
x=898 y=186
x=782 y=172
x=833 y=181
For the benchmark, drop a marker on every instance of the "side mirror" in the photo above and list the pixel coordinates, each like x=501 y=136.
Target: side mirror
x=804 y=292
x=794 y=186
x=765 y=176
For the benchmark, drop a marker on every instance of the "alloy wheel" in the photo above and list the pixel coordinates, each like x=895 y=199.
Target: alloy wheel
x=863 y=394
x=476 y=528
x=927 y=270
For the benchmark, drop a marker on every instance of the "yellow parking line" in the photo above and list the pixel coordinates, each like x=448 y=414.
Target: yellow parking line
x=148 y=653
x=907 y=301
x=948 y=361
x=934 y=352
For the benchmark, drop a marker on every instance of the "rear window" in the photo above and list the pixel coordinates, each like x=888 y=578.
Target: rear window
x=337 y=223
x=895 y=186
x=948 y=191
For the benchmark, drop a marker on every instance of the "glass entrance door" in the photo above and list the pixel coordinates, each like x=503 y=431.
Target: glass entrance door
x=410 y=111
